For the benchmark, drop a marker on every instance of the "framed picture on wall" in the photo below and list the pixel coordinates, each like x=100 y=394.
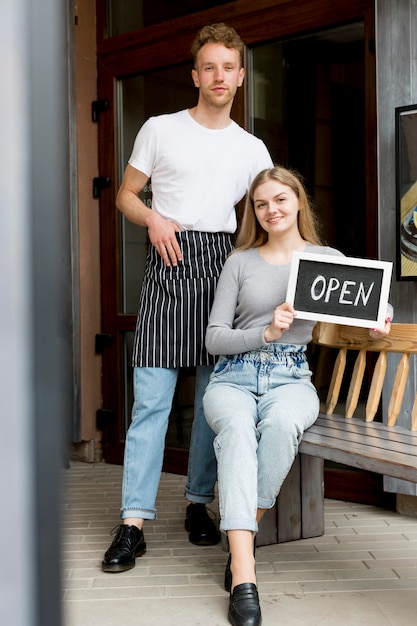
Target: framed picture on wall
x=406 y=191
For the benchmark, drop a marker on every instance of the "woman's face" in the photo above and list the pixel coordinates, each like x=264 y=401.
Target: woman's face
x=276 y=207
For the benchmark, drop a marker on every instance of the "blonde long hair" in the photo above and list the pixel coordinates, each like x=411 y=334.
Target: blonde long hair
x=252 y=235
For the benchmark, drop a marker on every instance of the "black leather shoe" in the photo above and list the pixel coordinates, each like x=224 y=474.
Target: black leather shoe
x=202 y=530
x=244 y=609
x=127 y=544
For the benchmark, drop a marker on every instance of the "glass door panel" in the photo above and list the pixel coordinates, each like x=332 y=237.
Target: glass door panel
x=140 y=97
x=307 y=102
x=299 y=94
x=305 y=97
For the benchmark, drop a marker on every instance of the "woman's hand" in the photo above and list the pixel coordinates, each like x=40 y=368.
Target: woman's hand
x=283 y=318
x=380 y=333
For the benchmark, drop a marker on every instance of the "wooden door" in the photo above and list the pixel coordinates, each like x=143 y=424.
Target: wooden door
x=309 y=93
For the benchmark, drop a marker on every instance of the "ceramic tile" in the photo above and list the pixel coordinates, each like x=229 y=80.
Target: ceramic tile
x=361 y=572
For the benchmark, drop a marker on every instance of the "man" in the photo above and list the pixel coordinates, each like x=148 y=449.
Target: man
x=201 y=164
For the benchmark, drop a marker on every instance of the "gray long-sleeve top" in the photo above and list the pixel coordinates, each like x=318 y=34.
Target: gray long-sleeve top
x=248 y=291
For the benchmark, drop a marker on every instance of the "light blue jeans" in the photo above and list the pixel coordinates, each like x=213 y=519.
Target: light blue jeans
x=154 y=389
x=258 y=403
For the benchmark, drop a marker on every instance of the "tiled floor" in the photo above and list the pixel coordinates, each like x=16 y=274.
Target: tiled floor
x=363 y=571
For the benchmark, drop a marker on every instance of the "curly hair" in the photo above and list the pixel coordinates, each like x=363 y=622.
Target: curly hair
x=218 y=33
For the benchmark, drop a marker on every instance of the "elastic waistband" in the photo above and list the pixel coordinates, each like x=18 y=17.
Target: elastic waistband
x=275 y=352
x=278 y=348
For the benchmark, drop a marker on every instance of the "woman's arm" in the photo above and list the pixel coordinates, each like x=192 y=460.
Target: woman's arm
x=221 y=336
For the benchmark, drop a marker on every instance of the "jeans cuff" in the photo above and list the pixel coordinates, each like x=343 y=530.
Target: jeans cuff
x=198 y=498
x=138 y=513
x=266 y=504
x=238 y=523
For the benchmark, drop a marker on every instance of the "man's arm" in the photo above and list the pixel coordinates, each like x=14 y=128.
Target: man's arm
x=161 y=231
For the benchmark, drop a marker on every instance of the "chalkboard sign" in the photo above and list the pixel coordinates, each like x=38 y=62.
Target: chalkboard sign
x=339 y=289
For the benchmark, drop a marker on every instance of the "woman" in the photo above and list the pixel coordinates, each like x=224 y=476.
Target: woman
x=260 y=397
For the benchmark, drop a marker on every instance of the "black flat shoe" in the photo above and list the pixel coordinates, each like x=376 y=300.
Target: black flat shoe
x=202 y=530
x=127 y=544
x=244 y=609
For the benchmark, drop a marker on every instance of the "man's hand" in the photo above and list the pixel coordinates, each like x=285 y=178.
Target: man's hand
x=162 y=236
x=161 y=231
x=281 y=321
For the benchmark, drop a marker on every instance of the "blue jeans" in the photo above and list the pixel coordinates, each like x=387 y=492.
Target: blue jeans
x=154 y=389
x=258 y=403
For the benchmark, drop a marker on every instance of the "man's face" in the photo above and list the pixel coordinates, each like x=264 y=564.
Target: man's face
x=217 y=74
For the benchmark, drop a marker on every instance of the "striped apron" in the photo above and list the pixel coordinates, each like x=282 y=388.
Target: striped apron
x=175 y=302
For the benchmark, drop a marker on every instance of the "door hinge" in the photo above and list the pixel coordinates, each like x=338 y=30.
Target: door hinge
x=99 y=183
x=103 y=340
x=97 y=107
x=103 y=418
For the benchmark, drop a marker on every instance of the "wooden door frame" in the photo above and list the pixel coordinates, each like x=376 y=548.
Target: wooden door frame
x=168 y=44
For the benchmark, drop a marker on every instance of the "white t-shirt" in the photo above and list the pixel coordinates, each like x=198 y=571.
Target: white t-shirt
x=198 y=174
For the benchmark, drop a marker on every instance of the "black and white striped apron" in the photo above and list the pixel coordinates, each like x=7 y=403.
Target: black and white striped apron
x=175 y=302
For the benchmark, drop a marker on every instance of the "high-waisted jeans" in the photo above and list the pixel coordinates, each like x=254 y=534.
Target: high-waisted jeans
x=258 y=403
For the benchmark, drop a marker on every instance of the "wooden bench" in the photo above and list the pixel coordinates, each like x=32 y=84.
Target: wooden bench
x=341 y=436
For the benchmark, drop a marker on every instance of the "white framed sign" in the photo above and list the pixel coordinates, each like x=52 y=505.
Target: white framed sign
x=344 y=290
